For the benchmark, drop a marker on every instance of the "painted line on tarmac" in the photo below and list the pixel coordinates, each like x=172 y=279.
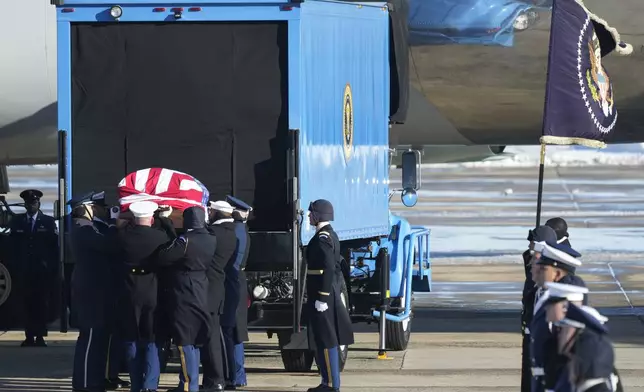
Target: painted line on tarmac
x=625 y=293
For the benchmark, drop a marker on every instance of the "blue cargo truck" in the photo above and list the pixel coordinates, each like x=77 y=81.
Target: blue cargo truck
x=278 y=103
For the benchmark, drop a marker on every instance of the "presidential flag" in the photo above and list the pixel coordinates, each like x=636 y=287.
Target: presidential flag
x=580 y=104
x=164 y=187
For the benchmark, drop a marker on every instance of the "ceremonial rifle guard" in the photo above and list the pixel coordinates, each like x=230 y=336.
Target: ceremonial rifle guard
x=34 y=250
x=557 y=263
x=530 y=290
x=236 y=276
x=329 y=324
x=140 y=241
x=188 y=258
x=93 y=298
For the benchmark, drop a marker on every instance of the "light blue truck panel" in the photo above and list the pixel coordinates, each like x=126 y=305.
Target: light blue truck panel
x=345 y=44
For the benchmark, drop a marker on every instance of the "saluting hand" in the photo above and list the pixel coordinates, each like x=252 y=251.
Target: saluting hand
x=321 y=306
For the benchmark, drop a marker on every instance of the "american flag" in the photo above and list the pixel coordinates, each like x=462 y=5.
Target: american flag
x=164 y=187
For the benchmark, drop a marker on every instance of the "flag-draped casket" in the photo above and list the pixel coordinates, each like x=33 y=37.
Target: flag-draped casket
x=164 y=187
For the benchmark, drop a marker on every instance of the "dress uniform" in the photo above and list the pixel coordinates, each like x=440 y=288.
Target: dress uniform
x=92 y=290
x=115 y=348
x=139 y=242
x=567 y=290
x=188 y=258
x=236 y=276
x=34 y=249
x=329 y=324
x=543 y=345
x=213 y=357
x=530 y=291
x=591 y=353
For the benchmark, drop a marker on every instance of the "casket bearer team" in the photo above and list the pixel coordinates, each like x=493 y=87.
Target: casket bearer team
x=188 y=257
x=237 y=294
x=140 y=241
x=223 y=229
x=95 y=253
x=329 y=324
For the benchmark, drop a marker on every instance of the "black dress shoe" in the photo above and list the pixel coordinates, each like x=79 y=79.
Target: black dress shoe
x=230 y=387
x=323 y=388
x=116 y=383
x=28 y=343
x=211 y=387
x=40 y=342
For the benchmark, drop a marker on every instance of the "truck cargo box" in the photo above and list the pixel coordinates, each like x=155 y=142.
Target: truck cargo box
x=218 y=90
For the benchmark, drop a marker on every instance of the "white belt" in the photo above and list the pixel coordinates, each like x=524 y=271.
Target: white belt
x=537 y=372
x=586 y=385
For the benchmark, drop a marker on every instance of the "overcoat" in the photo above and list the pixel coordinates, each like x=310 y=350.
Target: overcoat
x=332 y=327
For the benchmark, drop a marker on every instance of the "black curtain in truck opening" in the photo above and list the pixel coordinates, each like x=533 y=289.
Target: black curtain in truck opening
x=399 y=60
x=207 y=99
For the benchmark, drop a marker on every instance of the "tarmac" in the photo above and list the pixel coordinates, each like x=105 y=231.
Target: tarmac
x=465 y=337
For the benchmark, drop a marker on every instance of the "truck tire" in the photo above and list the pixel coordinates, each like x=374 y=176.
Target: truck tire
x=398 y=334
x=343 y=351
x=297 y=361
x=5 y=284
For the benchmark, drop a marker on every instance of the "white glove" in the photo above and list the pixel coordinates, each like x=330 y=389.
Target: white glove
x=321 y=306
x=166 y=213
x=115 y=212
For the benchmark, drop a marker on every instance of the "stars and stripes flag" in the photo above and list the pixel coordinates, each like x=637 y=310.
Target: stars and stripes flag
x=579 y=105
x=164 y=187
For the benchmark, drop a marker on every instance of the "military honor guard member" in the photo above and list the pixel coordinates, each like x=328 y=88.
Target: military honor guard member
x=236 y=275
x=557 y=263
x=34 y=251
x=329 y=325
x=560 y=295
x=93 y=294
x=139 y=242
x=530 y=290
x=188 y=257
x=213 y=356
x=583 y=340
x=104 y=221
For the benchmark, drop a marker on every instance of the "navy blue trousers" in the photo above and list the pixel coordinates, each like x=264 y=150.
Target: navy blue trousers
x=114 y=357
x=328 y=361
x=189 y=376
x=228 y=352
x=90 y=359
x=143 y=365
x=240 y=370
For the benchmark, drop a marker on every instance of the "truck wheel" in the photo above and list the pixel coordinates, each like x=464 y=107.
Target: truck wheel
x=297 y=361
x=343 y=351
x=5 y=284
x=165 y=353
x=397 y=334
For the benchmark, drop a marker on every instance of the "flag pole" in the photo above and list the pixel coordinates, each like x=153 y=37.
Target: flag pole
x=542 y=162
